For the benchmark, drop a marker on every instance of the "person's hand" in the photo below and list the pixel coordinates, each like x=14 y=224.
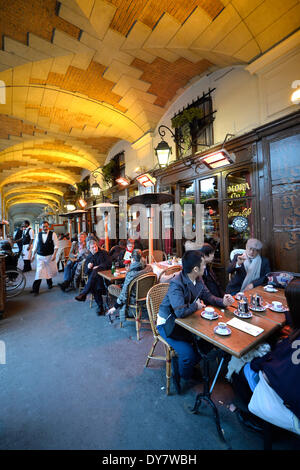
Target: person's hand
x=111 y=311
x=90 y=265
x=249 y=286
x=228 y=300
x=199 y=304
x=241 y=259
x=53 y=258
x=28 y=248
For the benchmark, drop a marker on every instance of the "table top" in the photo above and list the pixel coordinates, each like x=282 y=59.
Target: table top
x=268 y=297
x=121 y=273
x=238 y=342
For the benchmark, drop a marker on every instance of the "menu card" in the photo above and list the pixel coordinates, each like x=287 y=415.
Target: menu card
x=244 y=326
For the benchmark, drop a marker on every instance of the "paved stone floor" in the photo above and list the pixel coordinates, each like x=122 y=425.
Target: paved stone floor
x=74 y=381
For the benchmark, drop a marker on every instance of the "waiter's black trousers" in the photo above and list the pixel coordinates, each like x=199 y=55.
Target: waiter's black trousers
x=37 y=283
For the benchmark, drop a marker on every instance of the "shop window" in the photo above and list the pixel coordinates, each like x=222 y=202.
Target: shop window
x=167 y=223
x=240 y=208
x=194 y=127
x=209 y=198
x=188 y=209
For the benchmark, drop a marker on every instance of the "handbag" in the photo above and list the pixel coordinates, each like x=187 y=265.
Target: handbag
x=279 y=279
x=267 y=405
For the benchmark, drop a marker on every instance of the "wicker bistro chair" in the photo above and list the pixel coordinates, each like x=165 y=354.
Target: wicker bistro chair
x=167 y=274
x=142 y=284
x=158 y=255
x=154 y=299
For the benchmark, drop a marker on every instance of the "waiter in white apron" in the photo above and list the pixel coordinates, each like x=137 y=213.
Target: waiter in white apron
x=27 y=242
x=46 y=246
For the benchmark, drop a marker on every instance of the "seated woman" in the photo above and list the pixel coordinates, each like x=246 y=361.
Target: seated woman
x=125 y=259
x=209 y=277
x=183 y=298
x=280 y=367
x=77 y=255
x=138 y=266
x=97 y=260
x=250 y=269
x=117 y=252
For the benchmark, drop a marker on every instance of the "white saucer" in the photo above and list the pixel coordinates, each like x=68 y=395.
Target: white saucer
x=222 y=331
x=207 y=317
x=282 y=310
x=242 y=315
x=258 y=309
x=271 y=290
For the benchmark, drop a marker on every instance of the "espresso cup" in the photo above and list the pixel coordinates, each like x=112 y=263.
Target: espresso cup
x=209 y=311
x=240 y=295
x=277 y=305
x=222 y=326
x=269 y=287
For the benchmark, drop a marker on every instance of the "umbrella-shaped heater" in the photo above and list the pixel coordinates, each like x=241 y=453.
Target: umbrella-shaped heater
x=148 y=200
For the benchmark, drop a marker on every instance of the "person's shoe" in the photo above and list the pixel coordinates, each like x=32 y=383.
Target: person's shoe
x=62 y=286
x=81 y=297
x=50 y=286
x=100 y=311
x=247 y=420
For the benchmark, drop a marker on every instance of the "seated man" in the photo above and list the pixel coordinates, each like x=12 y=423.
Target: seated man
x=138 y=266
x=97 y=260
x=209 y=277
x=77 y=255
x=183 y=299
x=250 y=268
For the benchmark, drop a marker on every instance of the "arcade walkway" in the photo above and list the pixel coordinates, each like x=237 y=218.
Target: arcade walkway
x=73 y=381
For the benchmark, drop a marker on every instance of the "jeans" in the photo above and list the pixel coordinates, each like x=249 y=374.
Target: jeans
x=188 y=357
x=95 y=285
x=69 y=271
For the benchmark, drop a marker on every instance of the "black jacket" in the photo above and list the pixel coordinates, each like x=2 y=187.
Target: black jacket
x=235 y=284
x=100 y=259
x=180 y=298
x=281 y=366
x=212 y=283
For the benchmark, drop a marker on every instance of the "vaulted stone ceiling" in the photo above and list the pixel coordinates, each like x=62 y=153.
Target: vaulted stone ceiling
x=82 y=74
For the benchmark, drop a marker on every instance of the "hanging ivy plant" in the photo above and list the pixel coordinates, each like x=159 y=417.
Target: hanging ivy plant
x=82 y=186
x=186 y=117
x=108 y=172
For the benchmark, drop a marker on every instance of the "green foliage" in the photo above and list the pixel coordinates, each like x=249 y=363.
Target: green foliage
x=82 y=186
x=186 y=117
x=108 y=172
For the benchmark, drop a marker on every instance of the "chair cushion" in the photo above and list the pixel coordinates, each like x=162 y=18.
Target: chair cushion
x=279 y=279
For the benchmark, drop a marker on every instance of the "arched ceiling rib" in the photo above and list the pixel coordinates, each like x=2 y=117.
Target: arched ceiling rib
x=81 y=75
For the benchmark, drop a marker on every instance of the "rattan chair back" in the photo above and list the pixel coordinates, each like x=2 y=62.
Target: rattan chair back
x=169 y=271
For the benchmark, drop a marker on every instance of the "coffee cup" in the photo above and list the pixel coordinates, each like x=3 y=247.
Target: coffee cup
x=239 y=295
x=222 y=326
x=209 y=311
x=277 y=305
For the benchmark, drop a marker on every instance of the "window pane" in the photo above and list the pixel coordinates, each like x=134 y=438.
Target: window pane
x=240 y=222
x=239 y=184
x=167 y=223
x=209 y=197
x=188 y=210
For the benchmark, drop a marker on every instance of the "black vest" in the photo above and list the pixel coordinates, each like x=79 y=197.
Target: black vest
x=47 y=248
x=26 y=237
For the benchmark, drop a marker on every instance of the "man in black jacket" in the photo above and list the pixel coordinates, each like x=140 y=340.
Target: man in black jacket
x=98 y=260
x=184 y=298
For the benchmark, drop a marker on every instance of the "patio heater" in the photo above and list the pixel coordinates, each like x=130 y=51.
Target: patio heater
x=148 y=200
x=105 y=205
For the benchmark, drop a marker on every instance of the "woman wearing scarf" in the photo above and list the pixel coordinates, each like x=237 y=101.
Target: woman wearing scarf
x=250 y=268
x=128 y=254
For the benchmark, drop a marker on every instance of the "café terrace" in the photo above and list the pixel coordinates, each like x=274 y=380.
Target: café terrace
x=157 y=126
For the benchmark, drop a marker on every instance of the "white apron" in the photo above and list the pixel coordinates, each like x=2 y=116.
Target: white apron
x=45 y=268
x=26 y=254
